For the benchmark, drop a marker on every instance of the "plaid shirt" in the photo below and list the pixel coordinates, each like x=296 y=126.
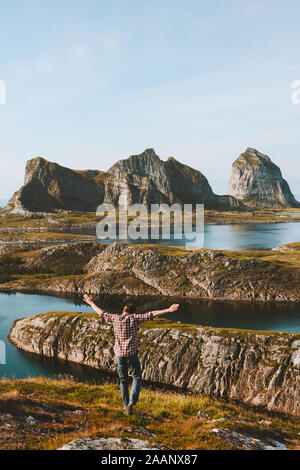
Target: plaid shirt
x=126 y=328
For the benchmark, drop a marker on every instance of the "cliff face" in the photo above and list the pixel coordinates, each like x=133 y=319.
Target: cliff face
x=257 y=181
x=142 y=178
x=49 y=186
x=257 y=368
x=169 y=182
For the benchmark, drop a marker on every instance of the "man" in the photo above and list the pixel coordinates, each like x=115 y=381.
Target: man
x=126 y=328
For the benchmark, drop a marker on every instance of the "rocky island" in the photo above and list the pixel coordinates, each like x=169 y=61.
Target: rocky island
x=155 y=271
x=257 y=181
x=260 y=369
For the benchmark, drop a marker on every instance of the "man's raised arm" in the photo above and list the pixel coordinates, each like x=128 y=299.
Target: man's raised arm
x=173 y=308
x=89 y=300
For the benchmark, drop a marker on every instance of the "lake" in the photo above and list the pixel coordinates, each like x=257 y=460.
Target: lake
x=250 y=236
x=228 y=237
x=276 y=317
x=219 y=237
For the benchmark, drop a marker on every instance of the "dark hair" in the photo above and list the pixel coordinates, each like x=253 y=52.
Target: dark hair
x=129 y=308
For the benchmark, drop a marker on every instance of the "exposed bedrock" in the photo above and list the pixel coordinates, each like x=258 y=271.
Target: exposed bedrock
x=119 y=269
x=256 y=368
x=257 y=181
x=142 y=178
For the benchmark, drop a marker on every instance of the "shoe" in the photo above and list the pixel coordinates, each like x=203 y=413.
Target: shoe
x=128 y=410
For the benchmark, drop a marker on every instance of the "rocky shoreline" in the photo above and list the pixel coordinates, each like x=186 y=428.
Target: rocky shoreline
x=260 y=369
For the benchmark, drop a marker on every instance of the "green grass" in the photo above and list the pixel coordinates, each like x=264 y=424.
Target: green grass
x=14 y=267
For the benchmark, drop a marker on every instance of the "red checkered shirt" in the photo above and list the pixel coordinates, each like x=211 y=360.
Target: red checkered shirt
x=126 y=328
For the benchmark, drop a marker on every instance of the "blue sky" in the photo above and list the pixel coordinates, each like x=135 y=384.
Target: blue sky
x=90 y=82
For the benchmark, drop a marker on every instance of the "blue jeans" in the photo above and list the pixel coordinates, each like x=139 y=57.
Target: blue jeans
x=132 y=363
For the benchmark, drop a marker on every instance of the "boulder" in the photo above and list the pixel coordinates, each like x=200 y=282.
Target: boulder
x=122 y=443
x=247 y=442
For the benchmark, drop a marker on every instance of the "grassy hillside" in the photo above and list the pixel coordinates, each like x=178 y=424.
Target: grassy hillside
x=46 y=414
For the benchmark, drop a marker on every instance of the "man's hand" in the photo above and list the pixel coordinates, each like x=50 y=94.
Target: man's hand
x=173 y=308
x=88 y=299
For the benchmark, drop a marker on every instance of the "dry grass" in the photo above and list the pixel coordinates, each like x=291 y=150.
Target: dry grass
x=77 y=218
x=64 y=410
x=249 y=215
x=288 y=258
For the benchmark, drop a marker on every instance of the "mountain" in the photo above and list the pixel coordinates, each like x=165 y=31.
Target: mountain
x=142 y=178
x=257 y=181
x=49 y=186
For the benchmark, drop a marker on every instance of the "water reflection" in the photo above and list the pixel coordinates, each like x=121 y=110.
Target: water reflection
x=229 y=237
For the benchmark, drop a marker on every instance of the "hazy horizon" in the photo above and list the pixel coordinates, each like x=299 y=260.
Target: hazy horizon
x=89 y=83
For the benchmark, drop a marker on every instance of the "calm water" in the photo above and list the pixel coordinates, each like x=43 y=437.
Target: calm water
x=219 y=237
x=219 y=314
x=251 y=236
x=231 y=237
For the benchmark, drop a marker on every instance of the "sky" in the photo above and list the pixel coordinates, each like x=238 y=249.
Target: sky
x=89 y=82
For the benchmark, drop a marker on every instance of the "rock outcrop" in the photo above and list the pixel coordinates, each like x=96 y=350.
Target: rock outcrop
x=156 y=181
x=142 y=178
x=247 y=442
x=260 y=369
x=119 y=269
x=257 y=181
x=121 y=443
x=237 y=440
x=49 y=186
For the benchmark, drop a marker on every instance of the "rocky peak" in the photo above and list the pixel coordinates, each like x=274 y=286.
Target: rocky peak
x=49 y=186
x=252 y=158
x=256 y=180
x=32 y=166
x=141 y=164
x=142 y=178
x=146 y=165
x=168 y=181
x=41 y=168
